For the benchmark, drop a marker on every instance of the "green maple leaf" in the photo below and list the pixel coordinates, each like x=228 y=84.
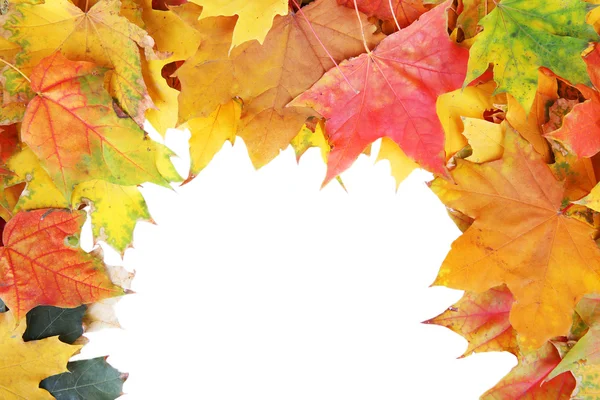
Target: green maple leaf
x=46 y=321
x=92 y=379
x=519 y=36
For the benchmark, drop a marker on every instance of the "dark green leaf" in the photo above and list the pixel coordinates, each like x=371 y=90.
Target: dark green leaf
x=91 y=379
x=46 y=321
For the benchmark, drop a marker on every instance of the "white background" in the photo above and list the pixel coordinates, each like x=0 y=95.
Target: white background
x=259 y=285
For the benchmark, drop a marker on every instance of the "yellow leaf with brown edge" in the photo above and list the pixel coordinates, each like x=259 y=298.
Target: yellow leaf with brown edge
x=25 y=364
x=209 y=134
x=114 y=210
x=40 y=191
x=530 y=125
x=400 y=163
x=255 y=18
x=100 y=35
x=520 y=237
x=268 y=76
x=485 y=138
x=469 y=102
x=167 y=28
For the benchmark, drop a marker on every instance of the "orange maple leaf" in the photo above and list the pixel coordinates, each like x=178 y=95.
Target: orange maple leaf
x=520 y=237
x=41 y=263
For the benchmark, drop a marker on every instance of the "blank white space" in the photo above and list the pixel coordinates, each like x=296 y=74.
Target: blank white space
x=259 y=285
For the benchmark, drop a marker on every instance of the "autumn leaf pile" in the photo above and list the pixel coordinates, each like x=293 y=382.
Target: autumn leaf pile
x=500 y=100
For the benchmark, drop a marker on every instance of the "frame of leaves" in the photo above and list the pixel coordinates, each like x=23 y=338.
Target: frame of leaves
x=498 y=98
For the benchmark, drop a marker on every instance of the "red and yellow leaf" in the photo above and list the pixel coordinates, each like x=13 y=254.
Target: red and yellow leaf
x=41 y=263
x=73 y=129
x=482 y=319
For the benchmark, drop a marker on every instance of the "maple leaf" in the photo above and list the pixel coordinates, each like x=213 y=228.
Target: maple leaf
x=519 y=36
x=97 y=34
x=209 y=134
x=114 y=210
x=167 y=28
x=398 y=84
x=402 y=12
x=400 y=164
x=520 y=237
x=48 y=321
x=255 y=18
x=73 y=129
x=41 y=263
x=86 y=379
x=24 y=365
x=527 y=379
x=482 y=318
x=267 y=77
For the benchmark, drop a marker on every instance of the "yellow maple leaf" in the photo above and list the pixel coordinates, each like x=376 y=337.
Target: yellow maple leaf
x=114 y=210
x=209 y=134
x=25 y=364
x=400 y=164
x=167 y=28
x=255 y=17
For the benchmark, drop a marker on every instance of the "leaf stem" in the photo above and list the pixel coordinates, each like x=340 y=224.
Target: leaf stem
x=393 y=14
x=323 y=46
x=362 y=28
x=16 y=69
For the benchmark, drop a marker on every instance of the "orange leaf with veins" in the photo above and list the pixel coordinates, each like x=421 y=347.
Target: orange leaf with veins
x=41 y=263
x=520 y=237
